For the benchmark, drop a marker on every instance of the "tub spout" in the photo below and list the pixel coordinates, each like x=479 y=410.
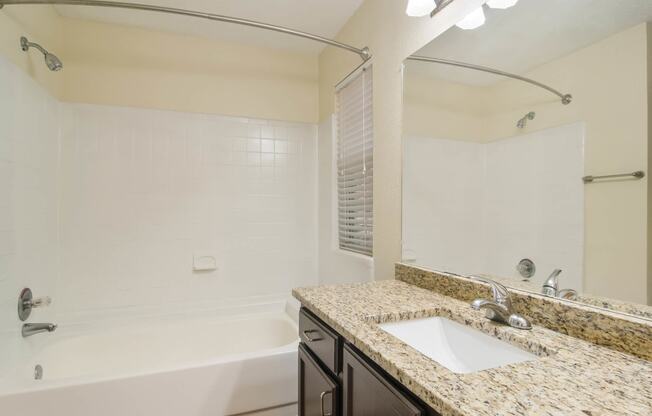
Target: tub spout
x=31 y=329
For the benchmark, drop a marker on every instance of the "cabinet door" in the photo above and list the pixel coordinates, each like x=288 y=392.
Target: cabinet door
x=368 y=393
x=318 y=392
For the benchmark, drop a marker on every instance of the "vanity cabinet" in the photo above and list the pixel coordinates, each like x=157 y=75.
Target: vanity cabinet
x=335 y=379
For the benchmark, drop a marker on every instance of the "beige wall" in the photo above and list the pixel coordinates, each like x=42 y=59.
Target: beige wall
x=119 y=65
x=126 y=66
x=383 y=26
x=440 y=108
x=609 y=98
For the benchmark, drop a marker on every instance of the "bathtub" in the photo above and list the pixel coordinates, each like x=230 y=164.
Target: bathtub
x=200 y=366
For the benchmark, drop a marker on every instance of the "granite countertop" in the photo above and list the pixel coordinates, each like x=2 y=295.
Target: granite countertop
x=570 y=377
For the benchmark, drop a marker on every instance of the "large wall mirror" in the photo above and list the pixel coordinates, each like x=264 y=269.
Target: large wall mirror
x=539 y=173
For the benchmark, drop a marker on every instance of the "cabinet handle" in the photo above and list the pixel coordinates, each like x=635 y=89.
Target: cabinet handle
x=321 y=398
x=310 y=331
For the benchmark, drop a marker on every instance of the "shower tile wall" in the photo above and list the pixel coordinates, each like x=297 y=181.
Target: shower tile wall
x=442 y=192
x=28 y=198
x=534 y=204
x=142 y=191
x=475 y=208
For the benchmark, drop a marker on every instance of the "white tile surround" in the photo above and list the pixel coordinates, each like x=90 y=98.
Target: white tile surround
x=143 y=190
x=106 y=215
x=29 y=130
x=473 y=208
x=28 y=192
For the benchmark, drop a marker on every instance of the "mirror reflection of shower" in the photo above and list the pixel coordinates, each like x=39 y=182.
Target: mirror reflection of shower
x=51 y=60
x=523 y=122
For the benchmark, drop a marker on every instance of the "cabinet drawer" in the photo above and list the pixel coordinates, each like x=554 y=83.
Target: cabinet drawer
x=320 y=339
x=367 y=391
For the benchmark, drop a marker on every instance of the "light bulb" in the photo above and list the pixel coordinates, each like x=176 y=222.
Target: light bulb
x=418 y=8
x=473 y=20
x=501 y=4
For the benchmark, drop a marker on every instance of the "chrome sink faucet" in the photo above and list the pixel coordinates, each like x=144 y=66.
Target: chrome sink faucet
x=500 y=308
x=551 y=287
x=32 y=329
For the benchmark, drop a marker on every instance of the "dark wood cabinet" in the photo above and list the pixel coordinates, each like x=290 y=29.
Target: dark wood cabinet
x=345 y=380
x=318 y=391
x=321 y=340
x=366 y=392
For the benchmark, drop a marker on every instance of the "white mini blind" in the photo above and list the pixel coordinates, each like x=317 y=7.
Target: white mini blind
x=355 y=166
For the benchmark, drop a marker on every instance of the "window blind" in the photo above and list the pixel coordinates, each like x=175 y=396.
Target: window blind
x=355 y=164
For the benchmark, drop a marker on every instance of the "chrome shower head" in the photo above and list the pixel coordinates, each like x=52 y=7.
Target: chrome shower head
x=51 y=60
x=523 y=122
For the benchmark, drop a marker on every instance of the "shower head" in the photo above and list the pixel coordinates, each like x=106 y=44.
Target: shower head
x=51 y=60
x=523 y=122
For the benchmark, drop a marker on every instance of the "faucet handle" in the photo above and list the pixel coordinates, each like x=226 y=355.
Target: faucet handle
x=500 y=292
x=551 y=284
x=26 y=302
x=38 y=302
x=501 y=308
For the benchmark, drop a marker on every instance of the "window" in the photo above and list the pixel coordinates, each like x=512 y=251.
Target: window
x=355 y=164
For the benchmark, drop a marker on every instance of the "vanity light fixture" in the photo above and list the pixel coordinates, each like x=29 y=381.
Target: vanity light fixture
x=501 y=4
x=473 y=20
x=476 y=18
x=419 y=8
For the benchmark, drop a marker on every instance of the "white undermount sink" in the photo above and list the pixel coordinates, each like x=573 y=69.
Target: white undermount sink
x=459 y=348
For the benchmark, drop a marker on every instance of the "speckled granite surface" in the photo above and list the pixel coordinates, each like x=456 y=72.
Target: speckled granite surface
x=635 y=309
x=570 y=377
x=625 y=333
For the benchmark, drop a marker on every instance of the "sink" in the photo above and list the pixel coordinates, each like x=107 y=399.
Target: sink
x=457 y=347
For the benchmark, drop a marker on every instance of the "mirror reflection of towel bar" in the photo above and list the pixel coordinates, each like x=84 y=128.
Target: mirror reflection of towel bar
x=638 y=175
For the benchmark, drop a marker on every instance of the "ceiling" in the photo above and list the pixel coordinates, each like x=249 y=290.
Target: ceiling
x=528 y=35
x=320 y=17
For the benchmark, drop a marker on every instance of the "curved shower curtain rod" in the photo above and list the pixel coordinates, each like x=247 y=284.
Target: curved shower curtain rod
x=362 y=53
x=565 y=98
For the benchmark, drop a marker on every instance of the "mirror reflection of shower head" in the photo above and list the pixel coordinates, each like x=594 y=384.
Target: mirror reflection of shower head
x=51 y=60
x=523 y=122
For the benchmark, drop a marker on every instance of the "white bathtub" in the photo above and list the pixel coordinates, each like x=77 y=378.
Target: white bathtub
x=216 y=366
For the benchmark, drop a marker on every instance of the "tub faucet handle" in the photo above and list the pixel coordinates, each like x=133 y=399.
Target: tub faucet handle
x=26 y=302
x=39 y=302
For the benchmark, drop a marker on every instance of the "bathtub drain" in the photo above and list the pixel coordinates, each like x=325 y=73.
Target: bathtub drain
x=38 y=372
